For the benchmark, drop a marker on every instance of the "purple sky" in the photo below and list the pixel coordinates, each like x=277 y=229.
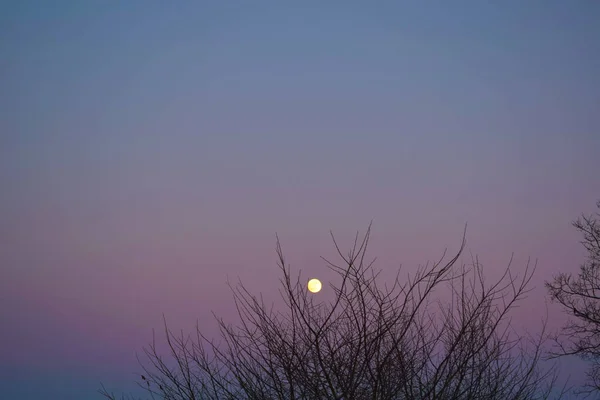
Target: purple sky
x=148 y=151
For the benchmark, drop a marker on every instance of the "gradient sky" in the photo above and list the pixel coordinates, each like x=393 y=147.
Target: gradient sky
x=149 y=149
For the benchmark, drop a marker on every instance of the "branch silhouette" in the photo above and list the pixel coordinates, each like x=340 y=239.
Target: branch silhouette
x=579 y=297
x=373 y=341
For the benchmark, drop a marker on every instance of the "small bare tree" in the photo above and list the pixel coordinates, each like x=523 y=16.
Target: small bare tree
x=579 y=297
x=371 y=341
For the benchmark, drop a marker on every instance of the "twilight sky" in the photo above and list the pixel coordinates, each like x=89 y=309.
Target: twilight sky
x=148 y=150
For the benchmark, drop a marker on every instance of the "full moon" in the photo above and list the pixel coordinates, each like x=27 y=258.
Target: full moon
x=314 y=285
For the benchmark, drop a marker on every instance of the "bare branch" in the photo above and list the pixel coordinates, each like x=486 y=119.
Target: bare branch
x=371 y=341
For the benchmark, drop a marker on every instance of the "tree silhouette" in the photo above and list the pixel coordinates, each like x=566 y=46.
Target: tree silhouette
x=579 y=297
x=371 y=341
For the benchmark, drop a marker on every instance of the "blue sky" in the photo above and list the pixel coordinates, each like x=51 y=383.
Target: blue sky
x=148 y=149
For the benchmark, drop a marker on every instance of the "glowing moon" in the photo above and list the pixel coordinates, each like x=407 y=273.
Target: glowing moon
x=314 y=285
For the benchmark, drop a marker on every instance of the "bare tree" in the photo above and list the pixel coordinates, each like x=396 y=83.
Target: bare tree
x=371 y=341
x=580 y=299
